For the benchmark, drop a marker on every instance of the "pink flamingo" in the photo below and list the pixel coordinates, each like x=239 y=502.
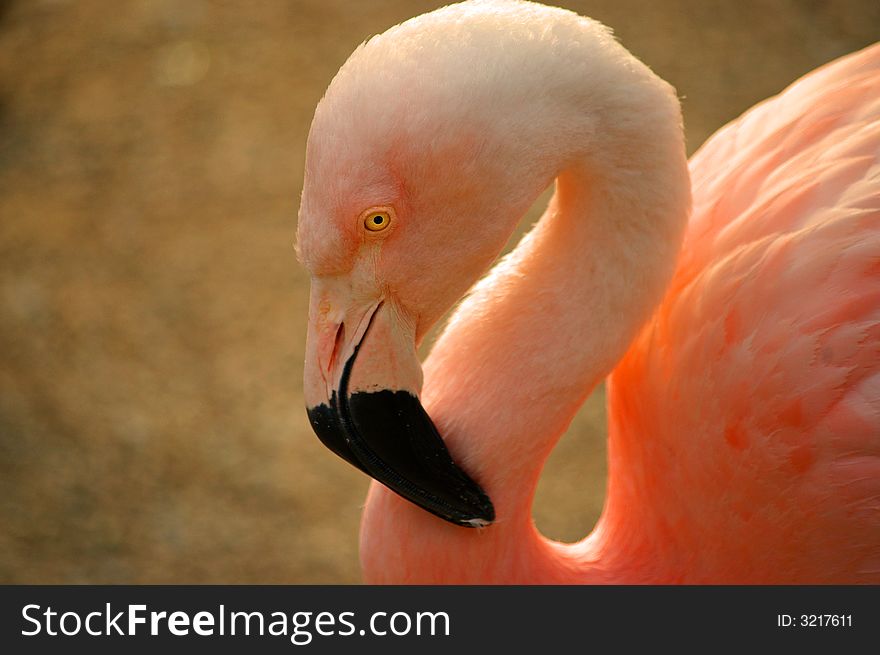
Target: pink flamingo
x=744 y=336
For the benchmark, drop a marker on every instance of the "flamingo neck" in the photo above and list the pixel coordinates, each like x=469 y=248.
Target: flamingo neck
x=527 y=346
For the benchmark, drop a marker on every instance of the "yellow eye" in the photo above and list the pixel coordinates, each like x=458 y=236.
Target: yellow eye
x=376 y=221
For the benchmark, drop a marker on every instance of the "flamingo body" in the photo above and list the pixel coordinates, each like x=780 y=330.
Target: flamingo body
x=757 y=383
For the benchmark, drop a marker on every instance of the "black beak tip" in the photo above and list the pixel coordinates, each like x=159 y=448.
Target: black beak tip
x=482 y=518
x=390 y=437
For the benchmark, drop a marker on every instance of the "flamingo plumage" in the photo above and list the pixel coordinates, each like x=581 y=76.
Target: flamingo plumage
x=738 y=327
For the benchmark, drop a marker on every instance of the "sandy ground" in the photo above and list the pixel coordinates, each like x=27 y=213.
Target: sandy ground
x=153 y=314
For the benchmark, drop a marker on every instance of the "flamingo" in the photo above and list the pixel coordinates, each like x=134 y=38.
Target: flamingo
x=738 y=327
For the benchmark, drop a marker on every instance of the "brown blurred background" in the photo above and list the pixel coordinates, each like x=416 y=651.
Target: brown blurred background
x=152 y=314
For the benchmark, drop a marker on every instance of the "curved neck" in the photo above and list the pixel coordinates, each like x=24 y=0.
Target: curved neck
x=528 y=345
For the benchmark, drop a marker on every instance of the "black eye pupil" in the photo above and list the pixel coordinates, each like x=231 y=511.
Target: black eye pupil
x=377 y=220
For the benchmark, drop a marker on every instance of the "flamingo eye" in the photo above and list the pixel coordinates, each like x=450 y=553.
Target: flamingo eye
x=377 y=220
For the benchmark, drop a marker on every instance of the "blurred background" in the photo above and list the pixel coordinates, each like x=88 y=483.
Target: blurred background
x=152 y=314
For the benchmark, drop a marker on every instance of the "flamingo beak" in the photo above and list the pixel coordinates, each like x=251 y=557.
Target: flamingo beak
x=362 y=383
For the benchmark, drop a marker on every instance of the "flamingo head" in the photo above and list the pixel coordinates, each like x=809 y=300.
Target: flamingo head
x=429 y=145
